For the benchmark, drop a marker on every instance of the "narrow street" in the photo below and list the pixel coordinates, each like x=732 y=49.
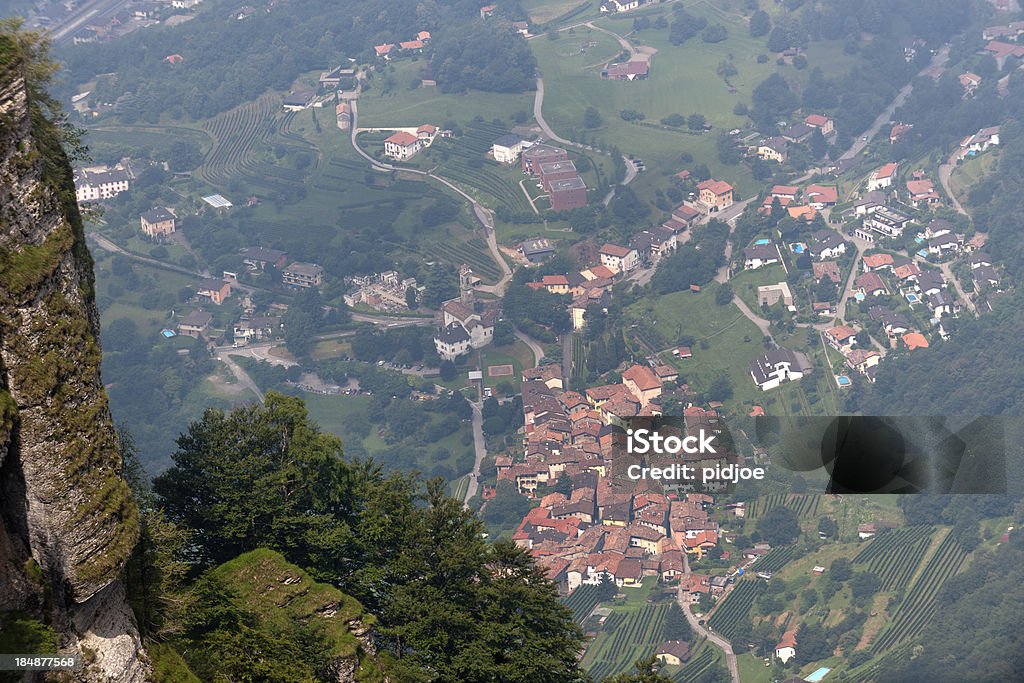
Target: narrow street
x=480 y=451
x=718 y=641
x=535 y=347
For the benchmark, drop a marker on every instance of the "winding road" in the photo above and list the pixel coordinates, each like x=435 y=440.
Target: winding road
x=538 y=114
x=718 y=641
x=483 y=215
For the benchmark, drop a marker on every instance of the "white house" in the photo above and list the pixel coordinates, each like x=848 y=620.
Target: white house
x=101 y=182
x=614 y=6
x=507 y=149
x=402 y=145
x=775 y=367
x=760 y=255
x=882 y=178
x=452 y=341
x=619 y=259
x=786 y=648
x=980 y=141
x=827 y=244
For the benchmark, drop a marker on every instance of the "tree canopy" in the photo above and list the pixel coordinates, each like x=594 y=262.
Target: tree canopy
x=450 y=604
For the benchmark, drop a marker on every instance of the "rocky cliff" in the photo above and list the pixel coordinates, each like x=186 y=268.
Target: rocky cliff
x=67 y=519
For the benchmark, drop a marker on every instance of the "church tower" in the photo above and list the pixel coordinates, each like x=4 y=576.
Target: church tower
x=466 y=285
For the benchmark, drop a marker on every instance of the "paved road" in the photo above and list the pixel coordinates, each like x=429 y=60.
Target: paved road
x=762 y=324
x=945 y=172
x=718 y=641
x=939 y=60
x=484 y=215
x=105 y=244
x=849 y=289
x=90 y=11
x=538 y=352
x=538 y=114
x=947 y=272
x=390 y=321
x=480 y=451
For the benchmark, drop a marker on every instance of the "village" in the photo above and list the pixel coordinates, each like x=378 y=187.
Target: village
x=578 y=287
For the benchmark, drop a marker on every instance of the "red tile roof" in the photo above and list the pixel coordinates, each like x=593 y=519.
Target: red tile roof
x=824 y=194
x=643 y=377
x=402 y=138
x=615 y=250
x=915 y=340
x=718 y=187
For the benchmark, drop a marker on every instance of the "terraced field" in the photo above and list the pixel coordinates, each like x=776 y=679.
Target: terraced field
x=805 y=505
x=776 y=559
x=626 y=637
x=894 y=555
x=460 y=166
x=695 y=669
x=582 y=601
x=474 y=252
x=735 y=609
x=236 y=133
x=919 y=604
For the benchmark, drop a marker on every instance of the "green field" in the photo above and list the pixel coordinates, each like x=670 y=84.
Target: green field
x=544 y=11
x=970 y=172
x=745 y=284
x=518 y=355
x=139 y=139
x=399 y=106
x=338 y=414
x=731 y=340
x=734 y=610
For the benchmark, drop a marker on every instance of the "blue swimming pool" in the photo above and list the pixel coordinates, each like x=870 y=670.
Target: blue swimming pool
x=919 y=239
x=859 y=296
x=843 y=381
x=912 y=298
x=923 y=253
x=798 y=247
x=761 y=241
x=818 y=675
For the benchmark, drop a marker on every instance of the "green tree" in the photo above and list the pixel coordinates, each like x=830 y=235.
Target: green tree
x=864 y=584
x=448 y=371
x=184 y=155
x=828 y=527
x=302 y=322
x=647 y=670
x=779 y=526
x=760 y=24
x=258 y=476
x=841 y=569
x=723 y=295
x=592 y=118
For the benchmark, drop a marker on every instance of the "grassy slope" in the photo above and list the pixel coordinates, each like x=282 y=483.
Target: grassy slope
x=281 y=594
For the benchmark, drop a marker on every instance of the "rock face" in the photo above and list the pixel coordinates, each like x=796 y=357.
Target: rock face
x=67 y=519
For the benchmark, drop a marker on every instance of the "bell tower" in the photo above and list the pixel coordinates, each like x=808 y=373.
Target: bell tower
x=466 y=285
